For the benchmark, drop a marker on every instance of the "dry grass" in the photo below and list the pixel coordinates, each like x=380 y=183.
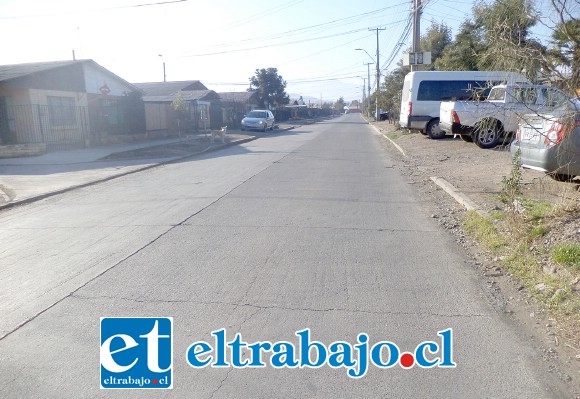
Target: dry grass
x=525 y=238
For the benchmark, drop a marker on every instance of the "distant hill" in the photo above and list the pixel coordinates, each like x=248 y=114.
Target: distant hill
x=308 y=99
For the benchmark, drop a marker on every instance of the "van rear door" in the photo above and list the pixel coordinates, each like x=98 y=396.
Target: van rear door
x=406 y=104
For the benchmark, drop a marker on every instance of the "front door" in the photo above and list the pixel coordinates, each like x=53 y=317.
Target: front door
x=4 y=125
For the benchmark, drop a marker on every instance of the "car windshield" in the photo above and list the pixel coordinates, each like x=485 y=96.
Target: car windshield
x=496 y=94
x=257 y=114
x=526 y=95
x=554 y=97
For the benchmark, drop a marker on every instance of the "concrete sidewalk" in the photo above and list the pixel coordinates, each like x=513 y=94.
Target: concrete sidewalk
x=28 y=179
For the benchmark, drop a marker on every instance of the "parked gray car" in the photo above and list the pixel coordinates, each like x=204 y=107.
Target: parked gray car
x=550 y=142
x=258 y=119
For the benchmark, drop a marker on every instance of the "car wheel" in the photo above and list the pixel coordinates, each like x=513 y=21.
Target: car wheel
x=265 y=127
x=487 y=134
x=243 y=129
x=467 y=138
x=561 y=177
x=507 y=139
x=433 y=130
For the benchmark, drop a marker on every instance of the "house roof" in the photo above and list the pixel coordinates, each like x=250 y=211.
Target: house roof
x=17 y=71
x=237 y=96
x=187 y=96
x=299 y=101
x=169 y=88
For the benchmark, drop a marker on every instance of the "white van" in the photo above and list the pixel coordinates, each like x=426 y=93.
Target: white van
x=423 y=92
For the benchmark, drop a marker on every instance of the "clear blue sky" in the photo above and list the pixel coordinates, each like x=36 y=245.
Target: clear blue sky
x=222 y=42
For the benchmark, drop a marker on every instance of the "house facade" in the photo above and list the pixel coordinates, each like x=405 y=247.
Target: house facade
x=200 y=109
x=235 y=105
x=66 y=104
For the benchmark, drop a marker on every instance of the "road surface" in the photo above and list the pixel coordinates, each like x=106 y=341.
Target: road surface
x=307 y=229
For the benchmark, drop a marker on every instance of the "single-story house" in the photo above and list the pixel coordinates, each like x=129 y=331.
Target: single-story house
x=236 y=104
x=66 y=103
x=295 y=109
x=201 y=108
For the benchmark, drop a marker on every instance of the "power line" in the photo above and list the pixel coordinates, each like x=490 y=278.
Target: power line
x=272 y=45
x=283 y=34
x=56 y=14
x=262 y=14
x=323 y=27
x=296 y=81
x=323 y=51
x=400 y=43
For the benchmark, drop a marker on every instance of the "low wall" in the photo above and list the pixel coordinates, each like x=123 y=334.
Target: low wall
x=22 y=150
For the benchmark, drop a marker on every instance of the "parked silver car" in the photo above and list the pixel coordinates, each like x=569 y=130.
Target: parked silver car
x=550 y=142
x=258 y=119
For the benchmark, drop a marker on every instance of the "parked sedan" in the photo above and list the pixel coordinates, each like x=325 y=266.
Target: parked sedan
x=258 y=119
x=550 y=142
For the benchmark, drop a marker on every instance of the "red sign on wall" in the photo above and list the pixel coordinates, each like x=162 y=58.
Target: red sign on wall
x=104 y=89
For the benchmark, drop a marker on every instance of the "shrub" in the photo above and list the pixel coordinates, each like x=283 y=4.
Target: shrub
x=567 y=254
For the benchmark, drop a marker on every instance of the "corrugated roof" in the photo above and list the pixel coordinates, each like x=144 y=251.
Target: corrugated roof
x=169 y=88
x=187 y=96
x=237 y=96
x=15 y=71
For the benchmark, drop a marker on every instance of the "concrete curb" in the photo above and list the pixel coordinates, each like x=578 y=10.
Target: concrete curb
x=457 y=195
x=398 y=147
x=139 y=169
x=121 y=174
x=461 y=198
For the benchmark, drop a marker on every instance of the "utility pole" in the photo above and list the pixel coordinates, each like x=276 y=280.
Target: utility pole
x=369 y=88
x=416 y=33
x=364 y=97
x=378 y=74
x=164 y=74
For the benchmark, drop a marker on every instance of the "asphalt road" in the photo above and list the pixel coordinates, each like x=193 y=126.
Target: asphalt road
x=311 y=228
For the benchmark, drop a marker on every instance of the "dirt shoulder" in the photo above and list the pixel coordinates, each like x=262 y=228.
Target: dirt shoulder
x=512 y=244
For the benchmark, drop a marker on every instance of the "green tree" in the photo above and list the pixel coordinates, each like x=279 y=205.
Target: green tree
x=505 y=26
x=181 y=108
x=134 y=112
x=339 y=104
x=270 y=87
x=390 y=94
x=462 y=54
x=435 y=40
x=565 y=52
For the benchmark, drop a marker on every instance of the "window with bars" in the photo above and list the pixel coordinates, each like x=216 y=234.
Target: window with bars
x=62 y=111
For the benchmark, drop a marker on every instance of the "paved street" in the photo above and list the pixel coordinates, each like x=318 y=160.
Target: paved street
x=309 y=228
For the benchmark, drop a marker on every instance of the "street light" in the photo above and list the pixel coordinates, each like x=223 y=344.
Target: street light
x=364 y=95
x=377 y=88
x=362 y=49
x=368 y=64
x=164 y=76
